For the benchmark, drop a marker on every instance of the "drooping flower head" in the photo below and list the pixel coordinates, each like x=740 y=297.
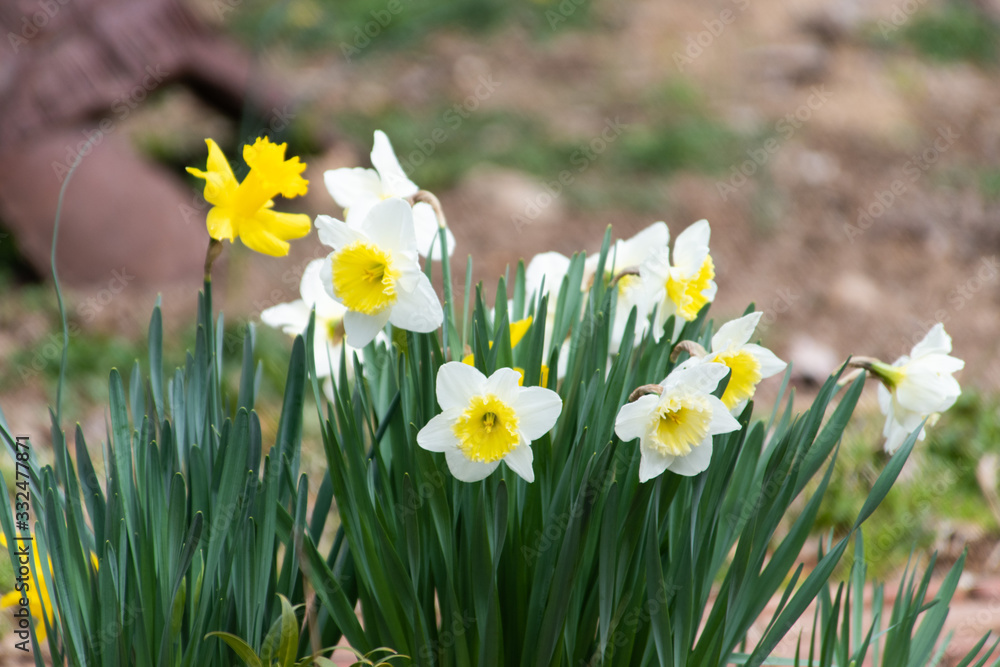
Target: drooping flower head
x=357 y=190
x=917 y=386
x=676 y=421
x=683 y=283
x=246 y=210
x=750 y=363
x=487 y=420
x=373 y=271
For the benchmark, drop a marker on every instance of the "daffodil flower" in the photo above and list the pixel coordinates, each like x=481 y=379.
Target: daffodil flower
x=622 y=266
x=683 y=284
x=675 y=422
x=487 y=420
x=916 y=386
x=750 y=363
x=374 y=272
x=293 y=318
x=246 y=209
x=357 y=190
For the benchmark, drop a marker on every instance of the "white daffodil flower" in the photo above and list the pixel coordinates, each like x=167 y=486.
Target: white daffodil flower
x=293 y=318
x=684 y=285
x=750 y=363
x=357 y=190
x=917 y=386
x=374 y=272
x=486 y=420
x=622 y=264
x=675 y=423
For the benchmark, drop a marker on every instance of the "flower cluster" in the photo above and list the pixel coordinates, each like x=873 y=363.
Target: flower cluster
x=372 y=278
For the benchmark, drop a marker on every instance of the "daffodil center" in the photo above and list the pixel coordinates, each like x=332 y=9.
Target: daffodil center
x=626 y=282
x=364 y=277
x=744 y=377
x=487 y=430
x=680 y=423
x=687 y=293
x=891 y=376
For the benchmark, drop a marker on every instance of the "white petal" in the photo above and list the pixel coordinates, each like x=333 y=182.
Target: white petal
x=438 y=435
x=314 y=294
x=703 y=378
x=936 y=341
x=722 y=421
x=735 y=333
x=552 y=266
x=926 y=392
x=632 y=253
x=457 y=383
x=419 y=310
x=394 y=180
x=503 y=385
x=389 y=225
x=465 y=470
x=770 y=364
x=425 y=228
x=353 y=187
x=519 y=460
x=633 y=418
x=326 y=277
x=537 y=411
x=652 y=463
x=335 y=233
x=326 y=356
x=691 y=248
x=292 y=318
x=695 y=462
x=361 y=329
x=884 y=400
x=937 y=363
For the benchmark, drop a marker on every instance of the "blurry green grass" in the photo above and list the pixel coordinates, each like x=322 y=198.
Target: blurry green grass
x=953 y=32
x=350 y=27
x=938 y=487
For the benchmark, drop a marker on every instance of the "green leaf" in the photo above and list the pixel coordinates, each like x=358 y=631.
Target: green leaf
x=241 y=648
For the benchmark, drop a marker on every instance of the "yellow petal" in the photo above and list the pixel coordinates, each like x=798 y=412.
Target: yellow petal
x=220 y=223
x=220 y=183
x=518 y=329
x=268 y=161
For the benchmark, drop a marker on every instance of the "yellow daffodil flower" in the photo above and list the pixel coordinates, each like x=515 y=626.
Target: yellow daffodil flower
x=487 y=420
x=246 y=209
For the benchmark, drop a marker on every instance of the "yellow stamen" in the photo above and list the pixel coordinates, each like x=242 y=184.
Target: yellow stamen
x=364 y=277
x=487 y=430
x=687 y=294
x=743 y=379
x=681 y=424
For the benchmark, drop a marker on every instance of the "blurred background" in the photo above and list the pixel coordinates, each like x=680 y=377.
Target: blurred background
x=846 y=153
